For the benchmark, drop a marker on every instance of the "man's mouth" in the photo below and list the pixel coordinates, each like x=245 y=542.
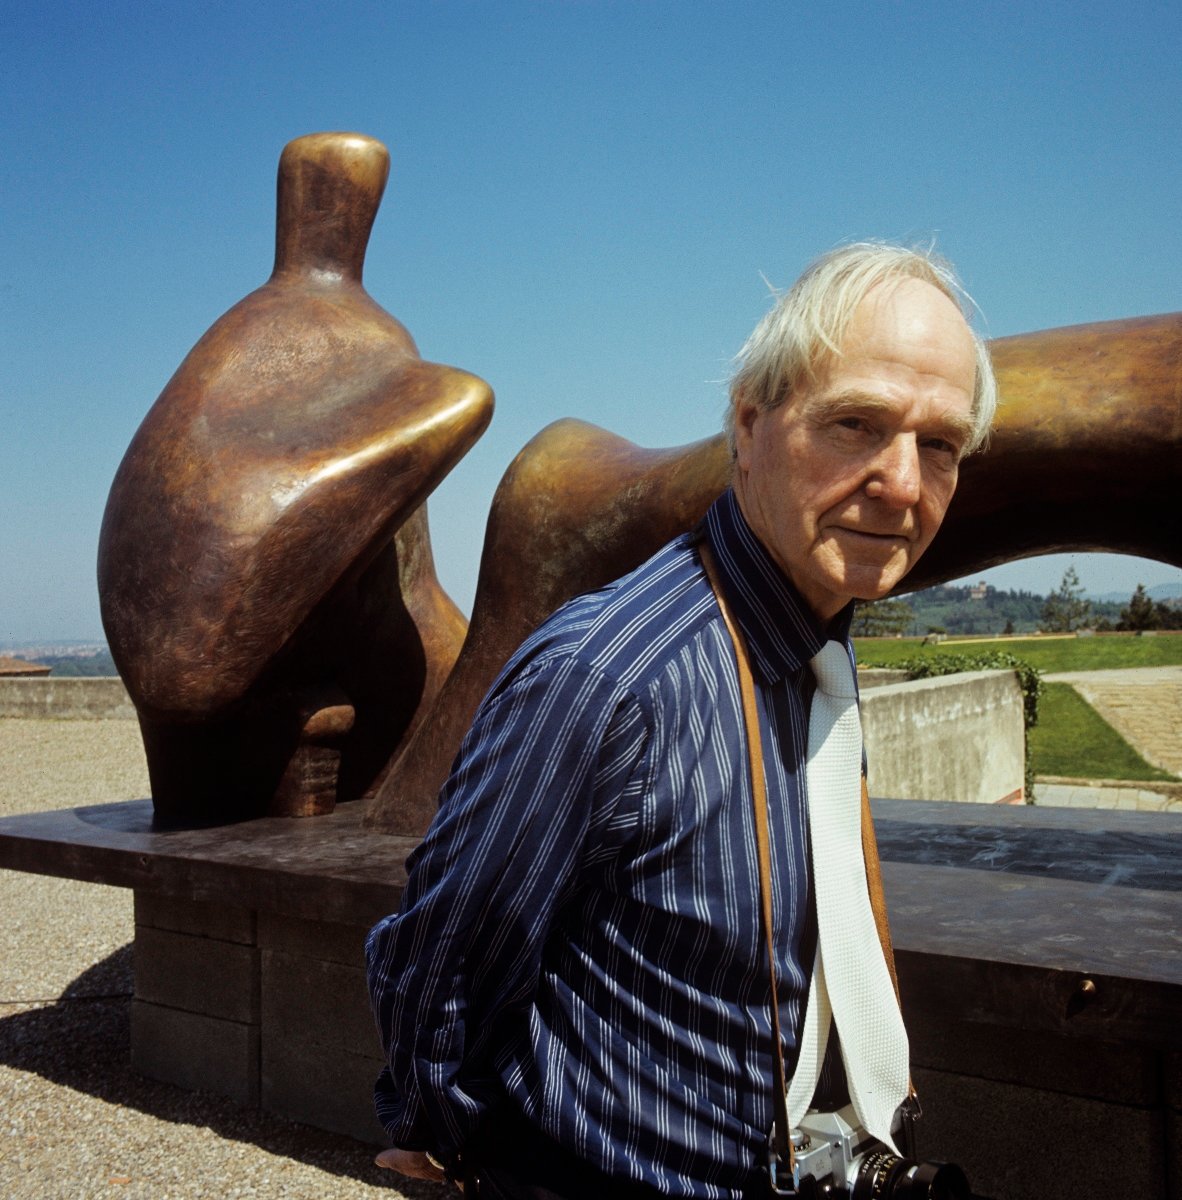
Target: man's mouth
x=874 y=535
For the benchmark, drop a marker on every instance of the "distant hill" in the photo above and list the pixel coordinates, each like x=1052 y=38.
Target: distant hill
x=69 y=660
x=1159 y=591
x=957 y=610
x=70 y=665
x=984 y=609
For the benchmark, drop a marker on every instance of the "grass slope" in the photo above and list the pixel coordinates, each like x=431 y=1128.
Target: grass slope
x=1072 y=739
x=1046 y=653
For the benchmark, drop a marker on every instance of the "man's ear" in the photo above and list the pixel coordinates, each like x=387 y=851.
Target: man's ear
x=744 y=417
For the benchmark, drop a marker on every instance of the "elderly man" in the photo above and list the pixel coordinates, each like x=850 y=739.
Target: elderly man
x=575 y=998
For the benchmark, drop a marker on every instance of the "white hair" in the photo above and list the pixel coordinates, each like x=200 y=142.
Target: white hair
x=796 y=340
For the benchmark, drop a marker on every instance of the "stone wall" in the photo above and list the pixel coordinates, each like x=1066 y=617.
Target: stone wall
x=93 y=698
x=954 y=737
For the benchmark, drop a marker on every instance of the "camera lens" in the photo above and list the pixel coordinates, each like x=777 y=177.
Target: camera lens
x=940 y=1181
x=883 y=1176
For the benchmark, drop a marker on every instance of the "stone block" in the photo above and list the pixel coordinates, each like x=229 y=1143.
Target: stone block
x=1174 y=1153
x=1172 y=1075
x=225 y=922
x=321 y=1086
x=1116 y=1072
x=327 y=940
x=306 y=1001
x=954 y=737
x=197 y=974
x=1016 y=1143
x=196 y=1052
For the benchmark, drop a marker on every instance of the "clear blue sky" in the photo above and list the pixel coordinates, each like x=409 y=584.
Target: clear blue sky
x=582 y=200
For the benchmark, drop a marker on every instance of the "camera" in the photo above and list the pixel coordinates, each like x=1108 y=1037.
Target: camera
x=836 y=1157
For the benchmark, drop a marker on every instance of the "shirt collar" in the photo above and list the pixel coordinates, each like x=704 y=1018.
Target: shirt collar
x=781 y=632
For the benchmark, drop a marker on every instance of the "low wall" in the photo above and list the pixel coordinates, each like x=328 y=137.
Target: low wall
x=954 y=737
x=66 y=698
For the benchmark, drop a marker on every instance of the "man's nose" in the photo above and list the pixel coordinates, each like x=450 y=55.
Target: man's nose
x=895 y=473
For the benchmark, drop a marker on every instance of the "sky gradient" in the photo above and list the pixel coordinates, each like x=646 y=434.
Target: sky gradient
x=584 y=203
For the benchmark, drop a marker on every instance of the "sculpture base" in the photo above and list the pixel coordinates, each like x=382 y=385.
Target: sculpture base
x=270 y=1010
x=249 y=976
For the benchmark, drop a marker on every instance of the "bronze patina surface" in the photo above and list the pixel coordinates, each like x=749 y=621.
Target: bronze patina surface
x=1082 y=458
x=264 y=568
x=1084 y=455
x=576 y=508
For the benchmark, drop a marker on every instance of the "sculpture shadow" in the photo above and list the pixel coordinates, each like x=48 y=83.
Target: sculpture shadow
x=82 y=1041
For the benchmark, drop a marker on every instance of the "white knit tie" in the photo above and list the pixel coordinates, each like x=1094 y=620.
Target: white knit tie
x=851 y=983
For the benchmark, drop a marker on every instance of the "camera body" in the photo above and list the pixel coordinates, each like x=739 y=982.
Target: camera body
x=829 y=1147
x=836 y=1157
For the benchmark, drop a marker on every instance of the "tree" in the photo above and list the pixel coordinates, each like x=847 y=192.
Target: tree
x=882 y=618
x=1066 y=609
x=1169 y=616
x=1140 y=613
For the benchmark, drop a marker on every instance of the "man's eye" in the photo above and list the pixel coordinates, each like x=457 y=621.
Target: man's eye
x=942 y=446
x=852 y=422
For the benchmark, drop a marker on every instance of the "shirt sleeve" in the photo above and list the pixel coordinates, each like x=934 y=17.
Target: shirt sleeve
x=536 y=775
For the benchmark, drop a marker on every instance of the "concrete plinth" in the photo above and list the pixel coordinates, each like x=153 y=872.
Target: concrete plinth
x=271 y=1011
x=950 y=737
x=1039 y=955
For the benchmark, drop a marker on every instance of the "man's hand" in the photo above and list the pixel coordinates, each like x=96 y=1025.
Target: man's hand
x=414 y=1163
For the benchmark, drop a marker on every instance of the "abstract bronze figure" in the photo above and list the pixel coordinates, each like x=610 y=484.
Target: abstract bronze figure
x=264 y=568
x=1083 y=458
x=1084 y=455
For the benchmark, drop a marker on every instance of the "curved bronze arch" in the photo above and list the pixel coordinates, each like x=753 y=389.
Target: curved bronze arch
x=1083 y=457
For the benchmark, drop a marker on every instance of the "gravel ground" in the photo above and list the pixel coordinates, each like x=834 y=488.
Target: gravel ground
x=75 y=1121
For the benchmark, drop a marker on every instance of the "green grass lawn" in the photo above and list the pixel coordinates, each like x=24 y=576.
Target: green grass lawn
x=1072 y=739
x=1046 y=653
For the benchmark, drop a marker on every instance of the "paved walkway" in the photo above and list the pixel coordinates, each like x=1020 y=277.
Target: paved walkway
x=1144 y=705
x=1081 y=793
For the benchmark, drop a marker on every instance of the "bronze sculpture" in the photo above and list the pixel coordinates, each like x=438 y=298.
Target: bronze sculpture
x=1082 y=458
x=264 y=565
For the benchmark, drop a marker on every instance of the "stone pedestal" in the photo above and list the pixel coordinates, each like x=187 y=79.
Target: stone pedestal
x=1038 y=953
x=268 y=1010
x=195 y=1019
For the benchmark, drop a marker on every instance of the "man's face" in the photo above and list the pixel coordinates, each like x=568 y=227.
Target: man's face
x=847 y=481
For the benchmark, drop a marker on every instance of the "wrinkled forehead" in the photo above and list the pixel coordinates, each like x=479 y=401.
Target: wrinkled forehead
x=908 y=321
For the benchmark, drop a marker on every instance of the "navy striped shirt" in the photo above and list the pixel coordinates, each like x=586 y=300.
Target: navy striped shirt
x=580 y=937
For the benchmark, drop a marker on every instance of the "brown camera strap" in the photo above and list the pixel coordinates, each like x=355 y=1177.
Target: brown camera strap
x=782 y=1136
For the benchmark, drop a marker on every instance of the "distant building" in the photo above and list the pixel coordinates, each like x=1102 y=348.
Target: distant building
x=977 y=591
x=11 y=667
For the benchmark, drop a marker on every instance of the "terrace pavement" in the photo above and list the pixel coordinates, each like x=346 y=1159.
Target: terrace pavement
x=75 y=1121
